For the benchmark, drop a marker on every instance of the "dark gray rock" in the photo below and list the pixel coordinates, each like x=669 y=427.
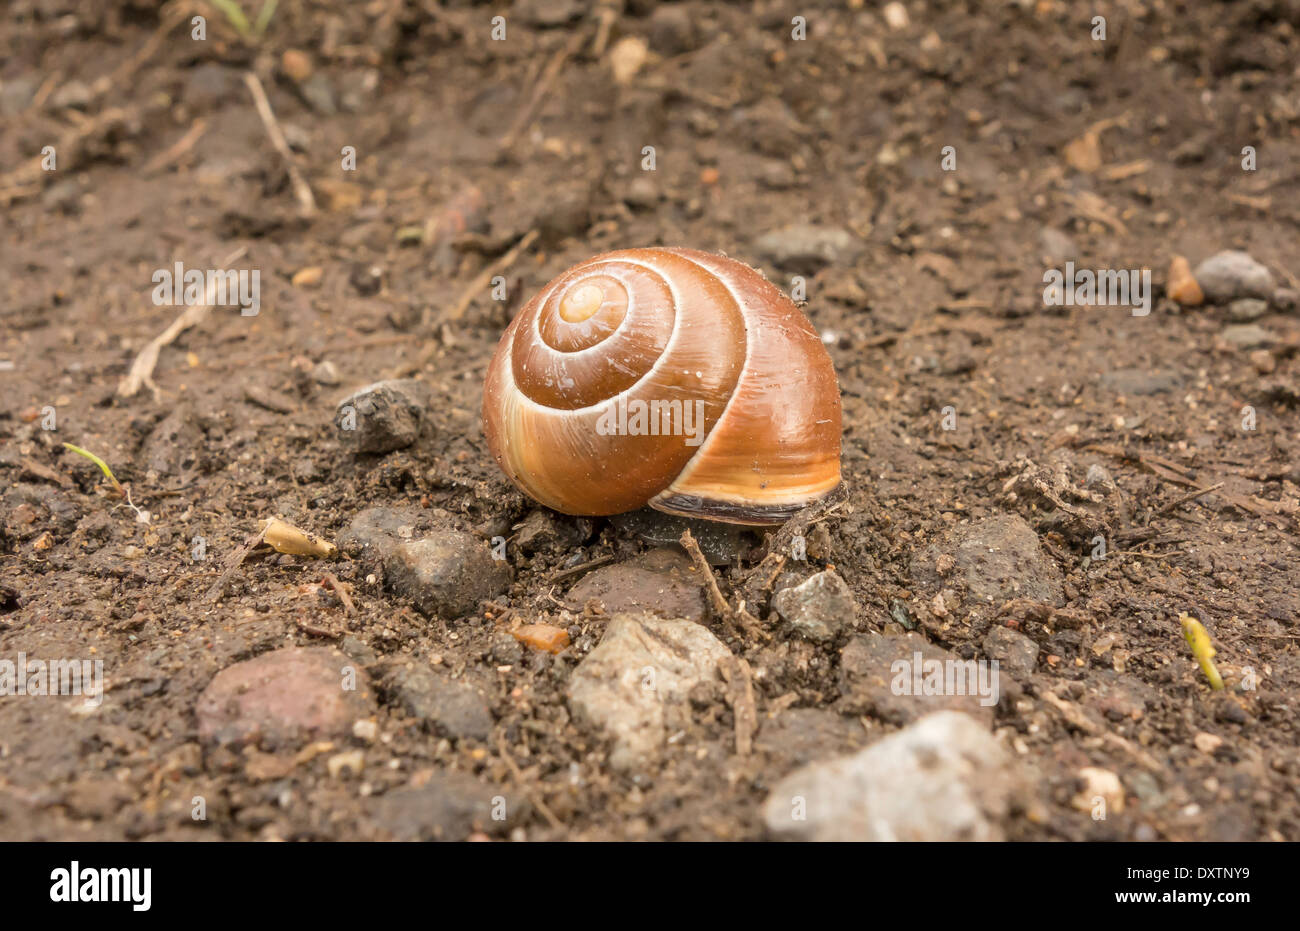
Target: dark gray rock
x=997 y=558
x=447 y=706
x=449 y=806
x=805 y=247
x=385 y=416
x=445 y=574
x=1016 y=654
x=545 y=531
x=375 y=531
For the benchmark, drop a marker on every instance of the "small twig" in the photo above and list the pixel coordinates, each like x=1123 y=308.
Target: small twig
x=1183 y=499
x=719 y=604
x=234 y=562
x=341 y=590
x=141 y=372
x=581 y=569
x=540 y=90
x=740 y=696
x=484 y=278
x=519 y=780
x=121 y=75
x=177 y=150
x=301 y=190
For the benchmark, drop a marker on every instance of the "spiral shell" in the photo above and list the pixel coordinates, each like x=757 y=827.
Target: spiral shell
x=669 y=377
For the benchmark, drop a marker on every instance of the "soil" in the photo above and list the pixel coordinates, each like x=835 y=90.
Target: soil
x=464 y=146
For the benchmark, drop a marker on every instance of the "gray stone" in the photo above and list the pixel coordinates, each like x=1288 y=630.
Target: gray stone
x=998 y=558
x=546 y=531
x=1286 y=299
x=1247 y=309
x=385 y=416
x=1231 y=274
x=1098 y=477
x=1015 y=653
x=1057 y=246
x=819 y=608
x=319 y=94
x=641 y=193
x=1141 y=382
x=450 y=707
x=636 y=683
x=944 y=778
x=662 y=581
x=210 y=85
x=357 y=89
x=326 y=373
x=805 y=247
x=445 y=574
x=547 y=13
x=289 y=694
x=373 y=532
x=889 y=677
x=448 y=806
x=1247 y=336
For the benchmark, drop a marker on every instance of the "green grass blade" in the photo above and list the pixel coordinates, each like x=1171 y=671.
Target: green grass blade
x=103 y=466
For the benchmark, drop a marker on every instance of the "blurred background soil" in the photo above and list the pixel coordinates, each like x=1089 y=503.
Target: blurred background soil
x=818 y=158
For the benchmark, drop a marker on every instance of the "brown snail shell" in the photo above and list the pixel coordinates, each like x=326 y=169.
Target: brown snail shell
x=669 y=377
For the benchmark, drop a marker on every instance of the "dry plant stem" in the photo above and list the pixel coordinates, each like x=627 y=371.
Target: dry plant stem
x=341 y=590
x=519 y=781
x=740 y=695
x=178 y=149
x=141 y=373
x=234 y=562
x=719 y=604
x=123 y=72
x=1183 y=499
x=581 y=568
x=540 y=90
x=301 y=190
x=29 y=177
x=484 y=278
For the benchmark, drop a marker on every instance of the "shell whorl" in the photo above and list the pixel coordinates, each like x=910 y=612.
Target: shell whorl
x=686 y=334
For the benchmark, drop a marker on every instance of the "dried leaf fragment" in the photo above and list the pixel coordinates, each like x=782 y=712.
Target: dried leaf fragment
x=286 y=538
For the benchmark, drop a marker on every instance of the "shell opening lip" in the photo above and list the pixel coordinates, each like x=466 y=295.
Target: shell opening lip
x=754 y=515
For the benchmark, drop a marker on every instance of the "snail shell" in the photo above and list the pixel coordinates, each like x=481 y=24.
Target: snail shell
x=669 y=377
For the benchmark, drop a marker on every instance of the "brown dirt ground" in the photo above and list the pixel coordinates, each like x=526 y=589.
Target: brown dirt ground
x=753 y=131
